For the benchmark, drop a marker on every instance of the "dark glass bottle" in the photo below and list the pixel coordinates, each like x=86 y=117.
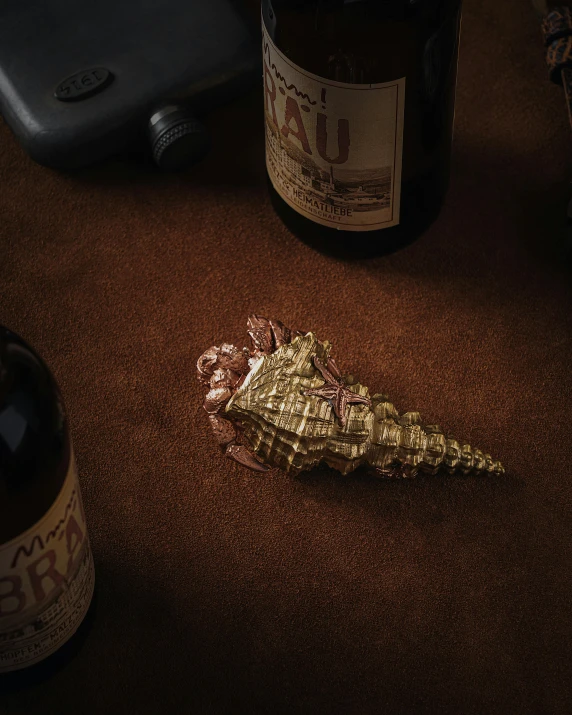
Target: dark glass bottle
x=359 y=103
x=46 y=566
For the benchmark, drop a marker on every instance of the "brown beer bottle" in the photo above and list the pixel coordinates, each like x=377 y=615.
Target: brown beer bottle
x=359 y=103
x=46 y=567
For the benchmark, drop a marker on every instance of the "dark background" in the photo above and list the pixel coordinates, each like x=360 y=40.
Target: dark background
x=224 y=592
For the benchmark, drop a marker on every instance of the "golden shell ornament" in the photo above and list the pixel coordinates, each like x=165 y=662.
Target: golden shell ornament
x=284 y=404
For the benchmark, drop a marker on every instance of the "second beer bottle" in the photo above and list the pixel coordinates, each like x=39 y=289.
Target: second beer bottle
x=359 y=104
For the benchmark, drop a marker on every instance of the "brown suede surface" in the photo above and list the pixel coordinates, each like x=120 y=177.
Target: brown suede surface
x=224 y=592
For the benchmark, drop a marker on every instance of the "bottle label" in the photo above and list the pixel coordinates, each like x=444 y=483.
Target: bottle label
x=333 y=149
x=46 y=581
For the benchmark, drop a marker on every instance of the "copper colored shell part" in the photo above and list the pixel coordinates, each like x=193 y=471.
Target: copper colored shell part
x=284 y=404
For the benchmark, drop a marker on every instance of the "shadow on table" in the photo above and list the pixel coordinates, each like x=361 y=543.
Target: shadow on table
x=144 y=656
x=445 y=501
x=186 y=645
x=500 y=216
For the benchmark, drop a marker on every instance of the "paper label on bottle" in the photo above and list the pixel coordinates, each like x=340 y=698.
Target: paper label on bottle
x=333 y=149
x=46 y=581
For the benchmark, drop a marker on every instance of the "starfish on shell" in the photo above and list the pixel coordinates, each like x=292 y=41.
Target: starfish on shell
x=335 y=391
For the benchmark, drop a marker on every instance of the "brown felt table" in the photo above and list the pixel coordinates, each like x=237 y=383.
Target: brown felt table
x=223 y=592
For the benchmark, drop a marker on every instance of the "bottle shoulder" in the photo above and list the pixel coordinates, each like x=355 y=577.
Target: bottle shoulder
x=361 y=42
x=34 y=440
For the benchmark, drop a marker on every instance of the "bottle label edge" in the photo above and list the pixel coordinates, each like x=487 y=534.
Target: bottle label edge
x=50 y=576
x=336 y=201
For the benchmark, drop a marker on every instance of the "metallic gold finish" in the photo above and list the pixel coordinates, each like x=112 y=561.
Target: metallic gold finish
x=292 y=410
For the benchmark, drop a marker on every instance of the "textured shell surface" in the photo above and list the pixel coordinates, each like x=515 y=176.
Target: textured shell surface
x=293 y=431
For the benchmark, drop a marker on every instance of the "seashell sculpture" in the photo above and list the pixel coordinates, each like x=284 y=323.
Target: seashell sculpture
x=284 y=404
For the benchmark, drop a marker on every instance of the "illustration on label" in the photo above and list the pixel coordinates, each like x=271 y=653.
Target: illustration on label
x=333 y=150
x=46 y=582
